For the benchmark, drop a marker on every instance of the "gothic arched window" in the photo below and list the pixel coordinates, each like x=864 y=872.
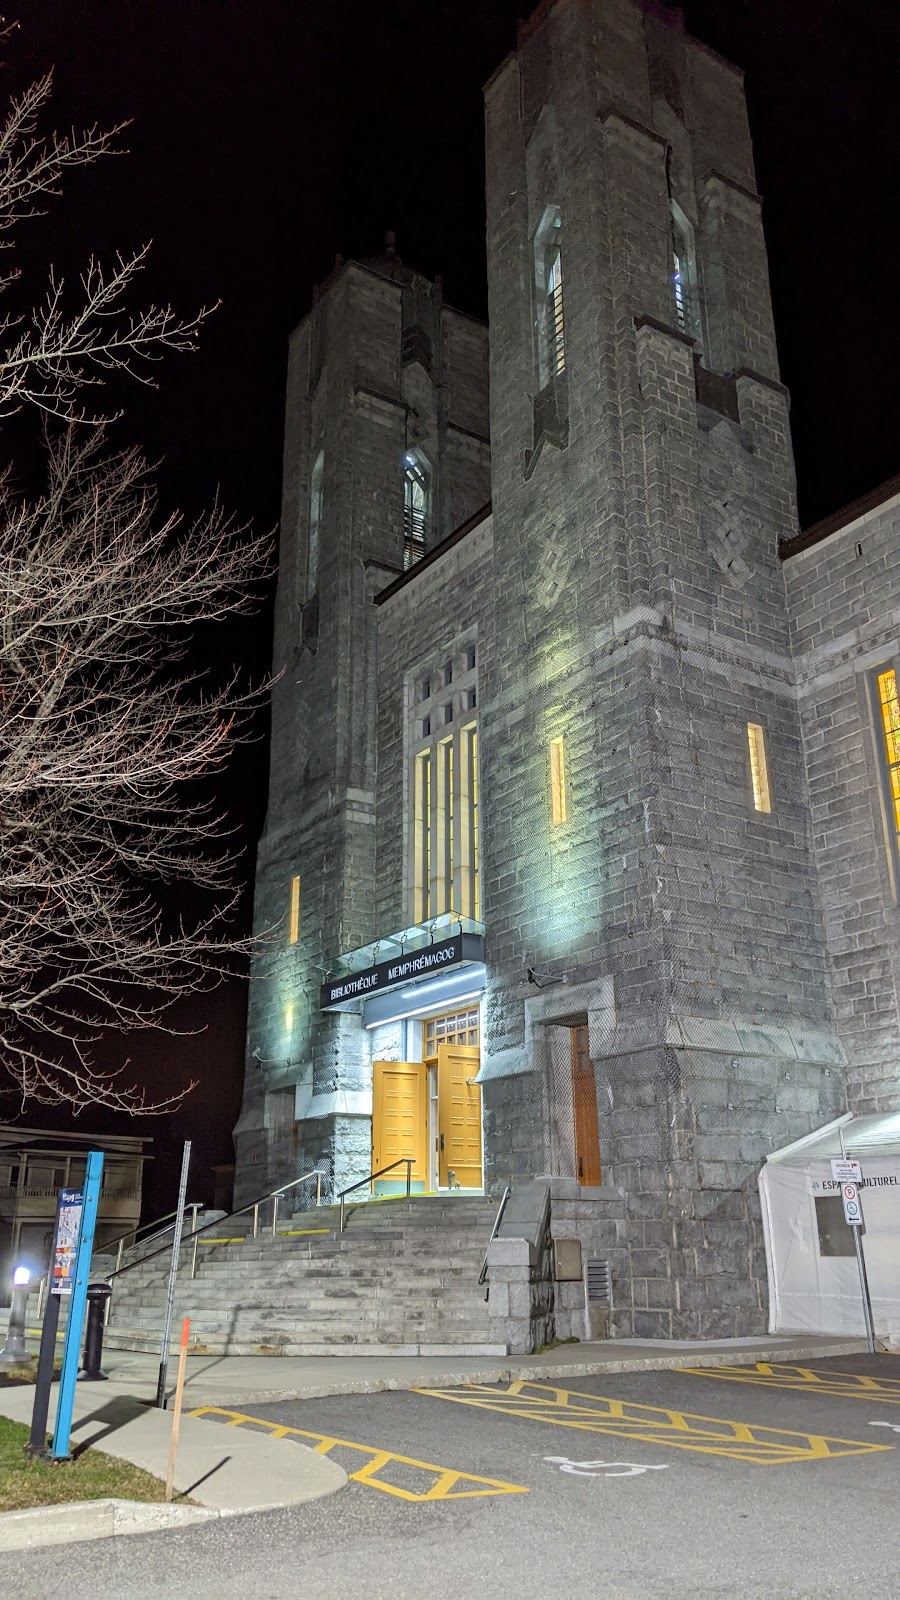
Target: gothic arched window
x=548 y=296
x=315 y=520
x=415 y=508
x=685 y=284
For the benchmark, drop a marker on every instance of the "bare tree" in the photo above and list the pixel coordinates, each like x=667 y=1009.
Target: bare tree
x=103 y=735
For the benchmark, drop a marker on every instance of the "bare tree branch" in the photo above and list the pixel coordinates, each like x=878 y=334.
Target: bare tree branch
x=105 y=741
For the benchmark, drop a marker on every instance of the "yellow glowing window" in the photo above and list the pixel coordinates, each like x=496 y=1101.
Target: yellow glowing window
x=889 y=713
x=558 y=809
x=294 y=912
x=759 y=767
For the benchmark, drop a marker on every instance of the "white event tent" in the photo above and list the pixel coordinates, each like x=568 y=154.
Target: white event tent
x=813 y=1276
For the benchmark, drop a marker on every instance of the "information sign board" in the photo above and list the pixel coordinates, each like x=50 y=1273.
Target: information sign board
x=845 y=1171
x=65 y=1245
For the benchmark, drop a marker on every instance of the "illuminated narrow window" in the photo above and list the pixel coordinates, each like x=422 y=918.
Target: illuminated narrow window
x=294 y=912
x=887 y=701
x=471 y=893
x=422 y=840
x=759 y=767
x=444 y=825
x=558 y=808
x=443 y=811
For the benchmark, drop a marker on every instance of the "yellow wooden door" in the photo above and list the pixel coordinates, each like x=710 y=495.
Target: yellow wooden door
x=399 y=1120
x=459 y=1109
x=584 y=1095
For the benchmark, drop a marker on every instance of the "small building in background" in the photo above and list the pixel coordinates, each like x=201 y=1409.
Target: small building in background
x=36 y=1164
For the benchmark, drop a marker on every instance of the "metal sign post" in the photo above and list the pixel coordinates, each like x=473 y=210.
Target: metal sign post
x=73 y=1267
x=37 y=1443
x=173 y=1273
x=849 y=1175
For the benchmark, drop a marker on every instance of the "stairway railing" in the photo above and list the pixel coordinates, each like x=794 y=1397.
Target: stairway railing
x=133 y=1233
x=494 y=1232
x=405 y=1161
x=219 y=1222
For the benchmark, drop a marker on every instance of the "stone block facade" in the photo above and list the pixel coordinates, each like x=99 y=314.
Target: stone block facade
x=684 y=851
x=843 y=590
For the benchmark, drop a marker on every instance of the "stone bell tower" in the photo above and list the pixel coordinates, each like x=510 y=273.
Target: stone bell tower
x=384 y=454
x=647 y=871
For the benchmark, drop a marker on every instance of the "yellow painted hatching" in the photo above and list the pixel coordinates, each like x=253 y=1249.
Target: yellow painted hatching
x=680 y=1430
x=779 y=1375
x=448 y=1484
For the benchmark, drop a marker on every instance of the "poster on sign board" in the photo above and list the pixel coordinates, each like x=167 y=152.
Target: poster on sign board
x=65 y=1245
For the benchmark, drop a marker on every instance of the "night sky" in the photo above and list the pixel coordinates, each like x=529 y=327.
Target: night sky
x=269 y=135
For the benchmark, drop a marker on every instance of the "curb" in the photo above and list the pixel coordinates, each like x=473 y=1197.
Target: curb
x=451 y=1379
x=93 y=1519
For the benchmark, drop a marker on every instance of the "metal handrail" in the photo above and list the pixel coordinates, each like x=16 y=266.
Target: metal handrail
x=406 y=1161
x=132 y=1233
x=219 y=1222
x=494 y=1232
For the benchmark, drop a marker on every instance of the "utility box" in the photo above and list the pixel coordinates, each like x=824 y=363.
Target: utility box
x=567 y=1260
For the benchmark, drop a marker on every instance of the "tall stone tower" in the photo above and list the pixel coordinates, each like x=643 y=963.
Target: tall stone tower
x=384 y=454
x=646 y=852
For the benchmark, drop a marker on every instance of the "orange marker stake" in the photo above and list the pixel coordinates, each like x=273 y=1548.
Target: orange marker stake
x=176 y=1411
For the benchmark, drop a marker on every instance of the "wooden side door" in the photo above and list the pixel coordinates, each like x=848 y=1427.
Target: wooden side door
x=399 y=1119
x=584 y=1097
x=459 y=1109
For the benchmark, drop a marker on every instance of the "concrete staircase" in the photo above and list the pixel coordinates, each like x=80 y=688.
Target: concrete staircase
x=401 y=1280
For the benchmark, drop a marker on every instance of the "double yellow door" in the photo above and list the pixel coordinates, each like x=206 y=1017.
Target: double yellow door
x=400 y=1117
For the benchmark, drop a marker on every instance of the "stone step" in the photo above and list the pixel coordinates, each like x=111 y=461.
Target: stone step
x=404 y=1274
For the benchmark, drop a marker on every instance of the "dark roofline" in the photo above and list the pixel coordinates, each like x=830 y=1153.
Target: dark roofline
x=840 y=519
x=434 y=555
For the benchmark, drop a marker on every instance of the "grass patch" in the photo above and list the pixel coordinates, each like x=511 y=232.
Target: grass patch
x=92 y=1476
x=14 y=1377
x=555 y=1344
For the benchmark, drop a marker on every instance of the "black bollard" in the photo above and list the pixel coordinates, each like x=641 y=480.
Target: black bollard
x=97 y=1296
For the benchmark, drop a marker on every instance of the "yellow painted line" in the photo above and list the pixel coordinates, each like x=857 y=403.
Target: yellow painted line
x=448 y=1484
x=807 y=1380
x=681 y=1430
x=239 y=1239
x=299 y=1233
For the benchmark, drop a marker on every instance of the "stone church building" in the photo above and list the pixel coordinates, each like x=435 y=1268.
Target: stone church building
x=583 y=844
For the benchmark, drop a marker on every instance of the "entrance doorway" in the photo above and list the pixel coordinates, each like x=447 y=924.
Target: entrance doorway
x=451 y=1047
x=584 y=1105
x=399 y=1123
x=430 y=1110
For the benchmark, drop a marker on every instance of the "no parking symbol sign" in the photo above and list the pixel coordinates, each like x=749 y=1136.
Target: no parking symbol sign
x=852 y=1207
x=849 y=1175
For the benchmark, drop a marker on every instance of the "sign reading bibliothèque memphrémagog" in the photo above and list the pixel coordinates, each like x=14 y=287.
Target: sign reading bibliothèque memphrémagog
x=423 y=963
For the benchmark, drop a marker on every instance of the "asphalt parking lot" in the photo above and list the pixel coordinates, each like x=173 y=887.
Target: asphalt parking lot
x=775 y=1481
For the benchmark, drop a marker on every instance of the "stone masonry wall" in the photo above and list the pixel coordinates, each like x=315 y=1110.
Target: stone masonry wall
x=843 y=596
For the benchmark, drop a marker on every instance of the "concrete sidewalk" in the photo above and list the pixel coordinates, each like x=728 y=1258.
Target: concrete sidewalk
x=244 y=1380
x=225 y=1473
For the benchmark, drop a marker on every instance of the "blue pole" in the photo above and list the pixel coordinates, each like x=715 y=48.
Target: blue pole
x=59 y=1447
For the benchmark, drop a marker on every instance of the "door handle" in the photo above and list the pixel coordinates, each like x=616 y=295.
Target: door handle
x=442 y=1141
